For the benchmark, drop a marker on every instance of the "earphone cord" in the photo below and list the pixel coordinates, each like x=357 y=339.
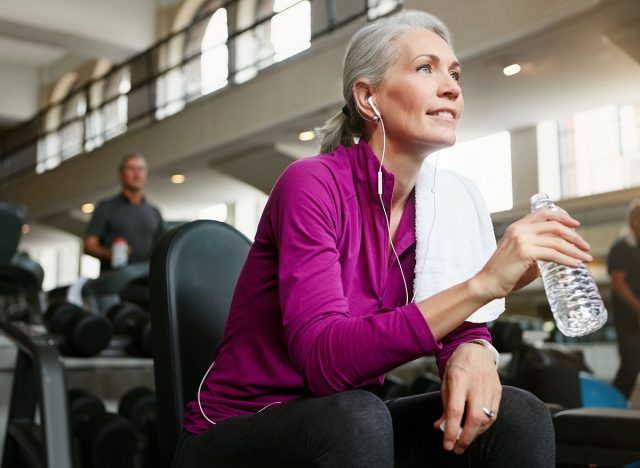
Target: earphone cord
x=200 y=388
x=384 y=210
x=200 y=404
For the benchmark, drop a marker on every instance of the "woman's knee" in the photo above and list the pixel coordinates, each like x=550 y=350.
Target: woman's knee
x=355 y=425
x=522 y=412
x=360 y=411
x=525 y=402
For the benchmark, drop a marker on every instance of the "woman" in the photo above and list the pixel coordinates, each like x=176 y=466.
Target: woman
x=323 y=305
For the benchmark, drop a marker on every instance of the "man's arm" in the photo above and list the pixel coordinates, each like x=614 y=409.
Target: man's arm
x=622 y=289
x=92 y=247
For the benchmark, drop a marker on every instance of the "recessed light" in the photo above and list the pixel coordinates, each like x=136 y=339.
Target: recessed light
x=307 y=135
x=177 y=178
x=87 y=208
x=512 y=69
x=26 y=229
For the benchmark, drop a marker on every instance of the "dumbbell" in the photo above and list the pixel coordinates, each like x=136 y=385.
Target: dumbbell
x=101 y=439
x=133 y=321
x=85 y=334
x=139 y=406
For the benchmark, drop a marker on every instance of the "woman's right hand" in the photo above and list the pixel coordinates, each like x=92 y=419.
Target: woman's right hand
x=547 y=235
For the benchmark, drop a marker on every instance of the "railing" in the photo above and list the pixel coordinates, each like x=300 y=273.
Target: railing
x=209 y=55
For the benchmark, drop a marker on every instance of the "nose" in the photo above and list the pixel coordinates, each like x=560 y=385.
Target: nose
x=450 y=88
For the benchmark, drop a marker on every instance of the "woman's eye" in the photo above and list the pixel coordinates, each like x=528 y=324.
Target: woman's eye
x=424 y=68
x=455 y=75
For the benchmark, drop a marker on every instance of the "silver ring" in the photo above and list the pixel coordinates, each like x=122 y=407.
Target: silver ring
x=489 y=412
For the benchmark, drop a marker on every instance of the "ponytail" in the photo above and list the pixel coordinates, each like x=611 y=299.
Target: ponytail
x=335 y=131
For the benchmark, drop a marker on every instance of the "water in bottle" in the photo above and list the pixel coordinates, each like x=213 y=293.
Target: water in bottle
x=572 y=292
x=119 y=252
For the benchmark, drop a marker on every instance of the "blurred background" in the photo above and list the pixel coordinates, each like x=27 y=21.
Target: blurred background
x=220 y=96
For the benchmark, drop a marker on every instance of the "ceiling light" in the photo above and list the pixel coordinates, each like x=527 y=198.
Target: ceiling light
x=307 y=135
x=26 y=229
x=177 y=178
x=87 y=208
x=512 y=69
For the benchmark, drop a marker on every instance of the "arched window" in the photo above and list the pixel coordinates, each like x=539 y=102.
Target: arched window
x=49 y=146
x=208 y=70
x=286 y=34
x=72 y=130
x=117 y=85
x=108 y=107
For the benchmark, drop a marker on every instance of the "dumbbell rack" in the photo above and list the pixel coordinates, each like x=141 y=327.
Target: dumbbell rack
x=39 y=381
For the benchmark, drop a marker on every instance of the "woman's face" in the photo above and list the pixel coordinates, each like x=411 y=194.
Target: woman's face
x=420 y=99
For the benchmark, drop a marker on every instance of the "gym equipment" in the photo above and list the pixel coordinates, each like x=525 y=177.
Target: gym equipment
x=102 y=439
x=133 y=321
x=85 y=334
x=140 y=407
x=20 y=277
x=585 y=436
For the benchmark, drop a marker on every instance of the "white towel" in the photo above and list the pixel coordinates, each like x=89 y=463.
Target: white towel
x=454 y=236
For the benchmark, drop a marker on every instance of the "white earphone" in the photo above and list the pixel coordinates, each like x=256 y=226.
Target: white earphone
x=373 y=106
x=376 y=111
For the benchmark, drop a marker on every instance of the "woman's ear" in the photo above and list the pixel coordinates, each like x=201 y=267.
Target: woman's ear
x=362 y=90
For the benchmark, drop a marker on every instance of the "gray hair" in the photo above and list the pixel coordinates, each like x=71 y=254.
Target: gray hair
x=128 y=157
x=371 y=53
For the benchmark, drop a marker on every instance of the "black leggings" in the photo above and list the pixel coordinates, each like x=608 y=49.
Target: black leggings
x=356 y=429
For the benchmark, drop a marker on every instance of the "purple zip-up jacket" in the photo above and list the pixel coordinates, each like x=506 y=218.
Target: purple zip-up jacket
x=320 y=304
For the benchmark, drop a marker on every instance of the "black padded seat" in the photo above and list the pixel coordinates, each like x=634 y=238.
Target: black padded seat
x=12 y=218
x=194 y=270
x=18 y=273
x=193 y=274
x=598 y=436
x=22 y=272
x=16 y=268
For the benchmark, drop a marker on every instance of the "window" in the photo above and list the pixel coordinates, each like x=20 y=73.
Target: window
x=286 y=34
x=108 y=104
x=594 y=151
x=72 y=129
x=487 y=162
x=49 y=146
x=378 y=8
x=115 y=108
x=206 y=49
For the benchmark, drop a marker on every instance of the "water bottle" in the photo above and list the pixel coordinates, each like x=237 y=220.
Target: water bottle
x=119 y=252
x=572 y=292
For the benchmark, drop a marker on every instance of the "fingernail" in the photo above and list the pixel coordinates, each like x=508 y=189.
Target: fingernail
x=448 y=445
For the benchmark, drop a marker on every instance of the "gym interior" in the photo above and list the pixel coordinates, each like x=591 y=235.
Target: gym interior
x=220 y=96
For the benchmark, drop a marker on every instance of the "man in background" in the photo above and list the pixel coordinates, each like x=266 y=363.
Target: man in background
x=623 y=264
x=126 y=215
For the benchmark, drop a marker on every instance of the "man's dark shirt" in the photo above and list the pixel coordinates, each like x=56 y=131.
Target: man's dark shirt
x=137 y=223
x=623 y=257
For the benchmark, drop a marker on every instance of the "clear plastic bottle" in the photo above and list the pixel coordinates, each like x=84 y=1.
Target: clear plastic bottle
x=572 y=292
x=119 y=252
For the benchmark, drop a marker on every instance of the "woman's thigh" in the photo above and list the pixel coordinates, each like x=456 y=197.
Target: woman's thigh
x=348 y=429
x=522 y=434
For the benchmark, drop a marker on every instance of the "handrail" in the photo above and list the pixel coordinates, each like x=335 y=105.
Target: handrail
x=19 y=145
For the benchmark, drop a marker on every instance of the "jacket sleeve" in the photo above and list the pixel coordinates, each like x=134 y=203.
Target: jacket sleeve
x=466 y=332
x=331 y=349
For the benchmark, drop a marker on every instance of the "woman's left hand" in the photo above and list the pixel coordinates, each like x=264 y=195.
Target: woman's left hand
x=469 y=387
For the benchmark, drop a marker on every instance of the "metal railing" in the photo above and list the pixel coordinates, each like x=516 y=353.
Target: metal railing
x=162 y=80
